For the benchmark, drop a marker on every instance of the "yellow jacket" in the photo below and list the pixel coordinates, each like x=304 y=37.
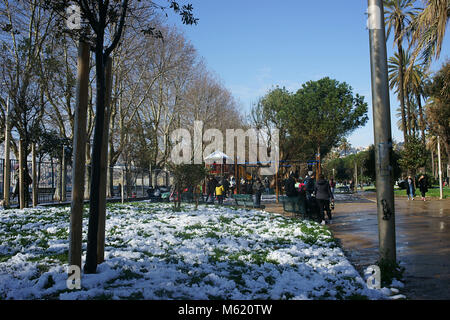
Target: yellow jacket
x=220 y=190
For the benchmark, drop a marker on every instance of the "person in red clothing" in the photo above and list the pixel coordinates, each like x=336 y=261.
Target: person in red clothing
x=332 y=185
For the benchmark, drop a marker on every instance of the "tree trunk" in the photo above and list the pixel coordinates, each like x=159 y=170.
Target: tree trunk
x=402 y=93
x=94 y=197
x=79 y=156
x=409 y=111
x=104 y=167
x=421 y=120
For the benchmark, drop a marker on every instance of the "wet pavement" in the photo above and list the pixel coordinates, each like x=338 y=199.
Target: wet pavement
x=422 y=238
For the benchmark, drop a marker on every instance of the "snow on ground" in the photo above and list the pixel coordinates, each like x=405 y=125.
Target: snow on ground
x=155 y=252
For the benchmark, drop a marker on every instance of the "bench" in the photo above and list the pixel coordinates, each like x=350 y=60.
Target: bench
x=343 y=190
x=245 y=200
x=294 y=205
x=298 y=206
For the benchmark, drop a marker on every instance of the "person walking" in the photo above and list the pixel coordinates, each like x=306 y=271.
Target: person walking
x=243 y=188
x=292 y=191
x=226 y=186
x=211 y=188
x=309 y=184
x=423 y=186
x=249 y=186
x=289 y=187
x=258 y=189
x=267 y=185
x=332 y=185
x=301 y=196
x=323 y=197
x=410 y=190
x=232 y=184
x=15 y=192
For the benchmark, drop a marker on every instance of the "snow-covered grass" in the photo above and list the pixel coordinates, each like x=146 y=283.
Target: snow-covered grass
x=155 y=252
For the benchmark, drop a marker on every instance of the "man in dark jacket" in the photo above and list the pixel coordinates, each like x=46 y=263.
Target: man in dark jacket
x=309 y=185
x=258 y=189
x=211 y=189
x=289 y=186
x=226 y=186
x=323 y=196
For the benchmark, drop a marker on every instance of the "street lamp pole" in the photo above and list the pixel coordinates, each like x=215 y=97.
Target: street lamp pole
x=382 y=131
x=440 y=167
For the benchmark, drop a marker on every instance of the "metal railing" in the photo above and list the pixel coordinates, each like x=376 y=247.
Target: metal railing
x=136 y=181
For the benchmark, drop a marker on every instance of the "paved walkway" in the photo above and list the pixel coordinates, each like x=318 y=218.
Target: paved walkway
x=422 y=234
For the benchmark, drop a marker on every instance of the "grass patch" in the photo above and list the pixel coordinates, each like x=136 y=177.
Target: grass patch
x=217 y=255
x=4 y=258
x=225 y=220
x=185 y=235
x=432 y=193
x=129 y=275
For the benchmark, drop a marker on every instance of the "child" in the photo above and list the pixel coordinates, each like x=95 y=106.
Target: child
x=220 y=190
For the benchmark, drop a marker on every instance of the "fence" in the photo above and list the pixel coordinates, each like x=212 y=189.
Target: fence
x=50 y=180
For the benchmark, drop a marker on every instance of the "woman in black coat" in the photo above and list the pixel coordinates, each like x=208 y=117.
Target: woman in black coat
x=423 y=186
x=323 y=197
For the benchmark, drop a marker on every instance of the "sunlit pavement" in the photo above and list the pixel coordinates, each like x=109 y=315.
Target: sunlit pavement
x=422 y=237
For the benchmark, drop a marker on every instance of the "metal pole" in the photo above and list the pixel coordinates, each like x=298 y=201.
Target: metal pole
x=7 y=170
x=440 y=168
x=356 y=177
x=382 y=132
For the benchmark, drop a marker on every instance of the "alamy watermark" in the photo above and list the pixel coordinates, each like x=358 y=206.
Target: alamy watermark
x=74 y=279
x=263 y=148
x=374 y=279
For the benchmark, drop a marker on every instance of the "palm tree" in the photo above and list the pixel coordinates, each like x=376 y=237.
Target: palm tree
x=428 y=29
x=397 y=66
x=344 y=145
x=418 y=76
x=398 y=15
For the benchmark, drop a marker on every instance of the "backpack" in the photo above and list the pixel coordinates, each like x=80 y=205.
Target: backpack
x=309 y=183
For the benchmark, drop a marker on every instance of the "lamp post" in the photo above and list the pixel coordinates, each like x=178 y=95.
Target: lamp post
x=382 y=131
x=440 y=167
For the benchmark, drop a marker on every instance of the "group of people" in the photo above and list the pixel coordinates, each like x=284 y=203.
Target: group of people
x=219 y=189
x=411 y=190
x=223 y=188
x=314 y=194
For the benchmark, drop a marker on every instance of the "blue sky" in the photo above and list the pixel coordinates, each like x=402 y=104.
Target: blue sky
x=254 y=45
